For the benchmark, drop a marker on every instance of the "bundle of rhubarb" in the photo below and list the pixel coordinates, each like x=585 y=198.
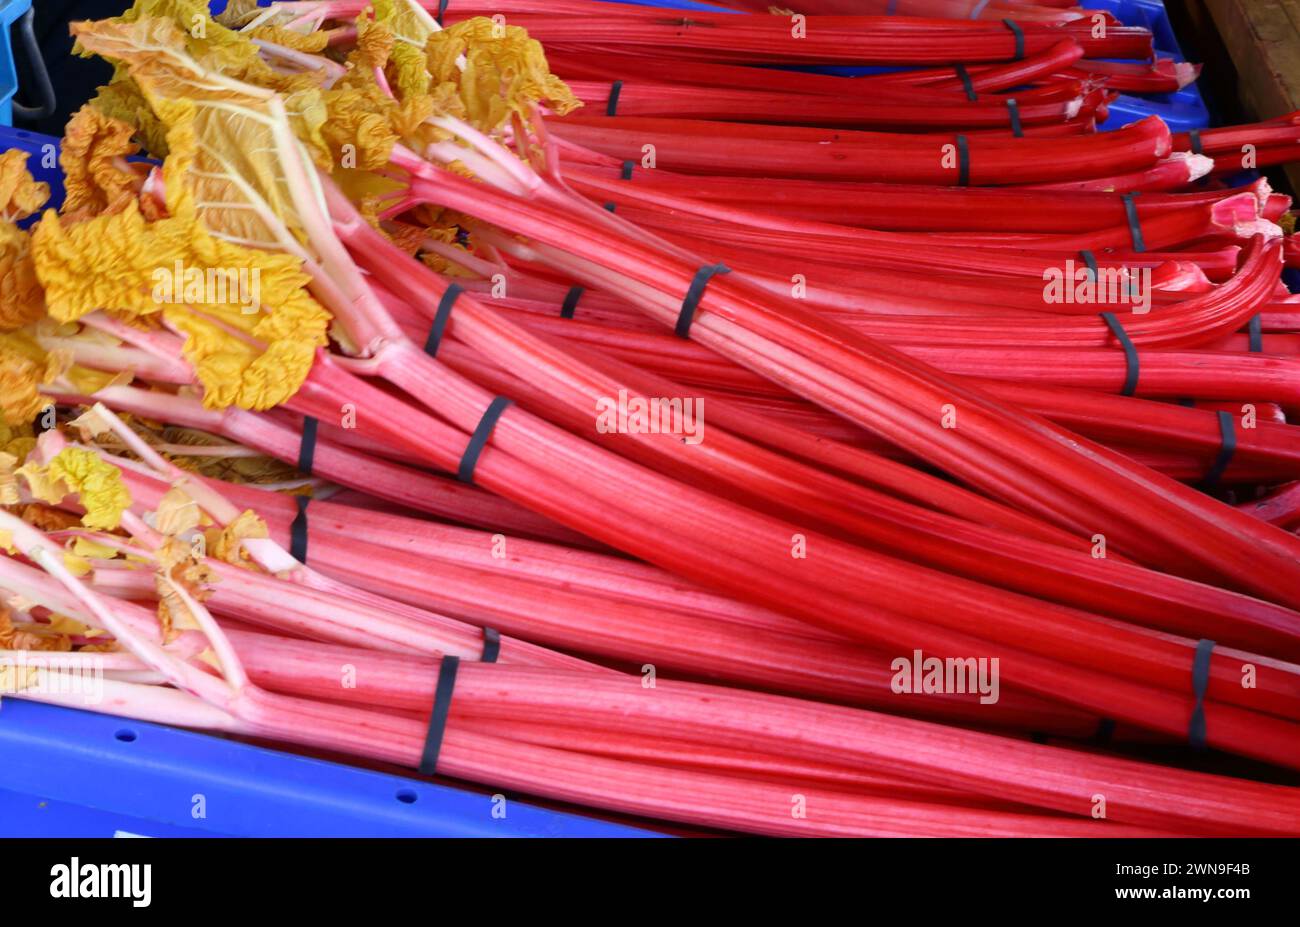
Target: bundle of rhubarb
x=354 y=399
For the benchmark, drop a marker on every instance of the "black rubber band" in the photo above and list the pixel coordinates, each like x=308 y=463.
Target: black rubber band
x=964 y=76
x=627 y=170
x=1090 y=260
x=307 y=446
x=1187 y=402
x=609 y=206
x=571 y=298
x=1200 y=682
x=978 y=9
x=449 y=297
x=298 y=531
x=1194 y=136
x=479 y=440
x=1255 y=328
x=693 y=296
x=1134 y=227
x=963 y=161
x=611 y=105
x=491 y=645
x=1227 y=447
x=891 y=8
x=1013 y=108
x=1105 y=731
x=1130 y=353
x=442 y=11
x=438 y=717
x=1020 y=37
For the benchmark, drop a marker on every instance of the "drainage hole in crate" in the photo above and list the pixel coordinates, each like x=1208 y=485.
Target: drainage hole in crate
x=407 y=797
x=126 y=735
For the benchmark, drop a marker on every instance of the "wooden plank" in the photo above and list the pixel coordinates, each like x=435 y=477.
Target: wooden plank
x=1263 y=39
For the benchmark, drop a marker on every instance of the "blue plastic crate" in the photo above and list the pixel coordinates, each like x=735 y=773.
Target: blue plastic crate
x=10 y=10
x=76 y=773
x=1182 y=110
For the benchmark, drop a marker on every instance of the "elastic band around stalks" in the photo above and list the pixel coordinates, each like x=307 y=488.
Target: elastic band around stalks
x=1227 y=447
x=445 y=305
x=570 y=305
x=609 y=207
x=1013 y=108
x=1105 y=731
x=1134 y=227
x=1200 y=682
x=307 y=445
x=963 y=161
x=442 y=11
x=491 y=645
x=611 y=105
x=892 y=8
x=1020 y=37
x=1255 y=328
x=298 y=531
x=627 y=170
x=964 y=76
x=1090 y=259
x=479 y=440
x=979 y=8
x=693 y=296
x=438 y=717
x=1194 y=136
x=1130 y=353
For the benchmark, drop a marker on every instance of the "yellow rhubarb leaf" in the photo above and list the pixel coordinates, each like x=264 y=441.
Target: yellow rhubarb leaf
x=227 y=543
x=232 y=145
x=93 y=550
x=374 y=43
x=122 y=100
x=179 y=565
x=20 y=195
x=219 y=48
x=412 y=27
x=252 y=327
x=312 y=43
x=359 y=129
x=239 y=13
x=20 y=382
x=95 y=146
x=8 y=479
x=97 y=484
x=76 y=564
x=22 y=301
x=177 y=513
x=505 y=72
x=62 y=624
